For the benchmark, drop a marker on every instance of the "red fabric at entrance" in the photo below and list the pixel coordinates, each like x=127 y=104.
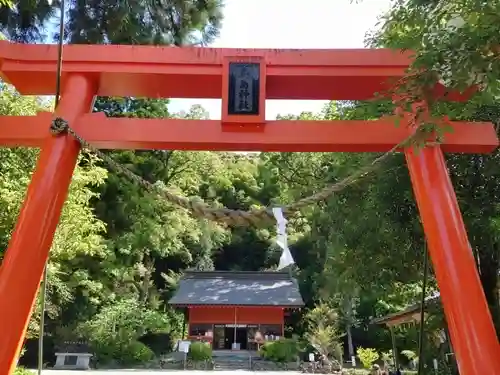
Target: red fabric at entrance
x=244 y=315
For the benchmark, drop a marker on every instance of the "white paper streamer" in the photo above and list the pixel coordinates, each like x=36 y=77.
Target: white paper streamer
x=286 y=258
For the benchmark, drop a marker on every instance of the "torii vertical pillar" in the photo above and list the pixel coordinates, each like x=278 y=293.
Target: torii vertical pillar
x=28 y=251
x=469 y=320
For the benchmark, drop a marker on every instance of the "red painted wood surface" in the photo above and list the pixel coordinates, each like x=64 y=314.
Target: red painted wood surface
x=288 y=136
x=469 y=321
x=244 y=315
x=171 y=72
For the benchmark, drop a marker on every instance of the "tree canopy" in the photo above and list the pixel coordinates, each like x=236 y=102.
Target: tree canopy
x=117 y=22
x=454 y=43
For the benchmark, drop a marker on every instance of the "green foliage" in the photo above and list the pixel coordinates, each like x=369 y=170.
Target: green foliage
x=410 y=354
x=322 y=334
x=454 y=43
x=280 y=351
x=145 y=230
x=114 y=332
x=115 y=351
x=367 y=356
x=200 y=351
x=79 y=232
x=116 y=22
x=22 y=371
x=388 y=358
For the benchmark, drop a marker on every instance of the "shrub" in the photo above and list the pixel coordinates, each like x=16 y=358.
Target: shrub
x=115 y=332
x=367 y=356
x=160 y=343
x=410 y=354
x=283 y=350
x=123 y=352
x=200 y=351
x=136 y=352
x=388 y=359
x=22 y=371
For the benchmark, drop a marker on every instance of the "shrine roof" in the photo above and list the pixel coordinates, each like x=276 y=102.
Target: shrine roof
x=238 y=289
x=410 y=314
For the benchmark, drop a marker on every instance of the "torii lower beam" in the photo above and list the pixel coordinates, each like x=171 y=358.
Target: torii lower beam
x=286 y=136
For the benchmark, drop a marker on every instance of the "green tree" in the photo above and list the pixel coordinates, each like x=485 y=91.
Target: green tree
x=476 y=179
x=117 y=22
x=455 y=43
x=361 y=249
x=143 y=227
x=79 y=233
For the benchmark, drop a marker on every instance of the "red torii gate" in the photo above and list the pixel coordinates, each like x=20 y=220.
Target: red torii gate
x=213 y=73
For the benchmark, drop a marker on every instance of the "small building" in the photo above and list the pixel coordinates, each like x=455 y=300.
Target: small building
x=412 y=315
x=236 y=310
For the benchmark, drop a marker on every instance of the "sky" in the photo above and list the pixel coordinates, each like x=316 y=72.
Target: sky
x=290 y=24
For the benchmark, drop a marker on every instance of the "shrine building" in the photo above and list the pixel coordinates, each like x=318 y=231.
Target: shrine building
x=236 y=310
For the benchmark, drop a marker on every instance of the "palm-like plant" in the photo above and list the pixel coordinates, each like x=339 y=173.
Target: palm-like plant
x=326 y=340
x=322 y=333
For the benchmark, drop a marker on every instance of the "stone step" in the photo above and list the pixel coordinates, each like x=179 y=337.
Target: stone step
x=234 y=363
x=229 y=364
x=231 y=368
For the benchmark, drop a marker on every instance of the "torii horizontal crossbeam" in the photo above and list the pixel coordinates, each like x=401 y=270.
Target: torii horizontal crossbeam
x=288 y=136
x=171 y=72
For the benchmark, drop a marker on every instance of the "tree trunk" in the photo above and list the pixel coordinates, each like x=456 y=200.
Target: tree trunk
x=145 y=285
x=349 y=341
x=488 y=272
x=349 y=313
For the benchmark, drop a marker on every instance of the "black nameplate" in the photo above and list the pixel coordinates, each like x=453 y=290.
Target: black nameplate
x=244 y=85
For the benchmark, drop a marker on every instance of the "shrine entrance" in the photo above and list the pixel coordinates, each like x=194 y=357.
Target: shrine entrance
x=244 y=79
x=236 y=337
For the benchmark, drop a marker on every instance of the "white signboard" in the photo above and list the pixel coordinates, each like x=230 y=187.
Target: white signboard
x=184 y=346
